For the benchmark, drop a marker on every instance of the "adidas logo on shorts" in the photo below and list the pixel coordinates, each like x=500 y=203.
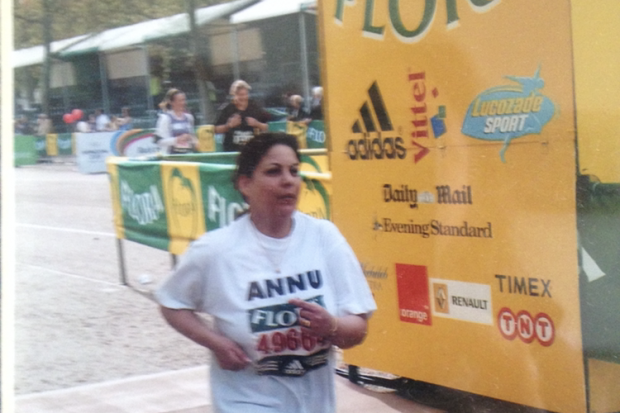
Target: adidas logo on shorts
x=294 y=368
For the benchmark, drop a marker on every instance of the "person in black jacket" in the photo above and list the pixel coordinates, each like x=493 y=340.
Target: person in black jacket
x=241 y=119
x=296 y=112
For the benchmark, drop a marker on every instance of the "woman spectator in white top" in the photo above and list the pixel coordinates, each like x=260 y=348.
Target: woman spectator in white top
x=174 y=132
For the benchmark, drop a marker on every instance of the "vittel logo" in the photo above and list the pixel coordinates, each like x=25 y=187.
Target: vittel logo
x=375 y=121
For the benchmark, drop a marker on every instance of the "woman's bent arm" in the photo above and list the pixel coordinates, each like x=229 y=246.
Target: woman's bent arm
x=350 y=330
x=230 y=355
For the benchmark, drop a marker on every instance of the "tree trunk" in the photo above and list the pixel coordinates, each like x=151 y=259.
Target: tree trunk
x=47 y=63
x=200 y=72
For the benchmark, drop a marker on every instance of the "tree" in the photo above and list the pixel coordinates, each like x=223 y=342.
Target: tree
x=44 y=21
x=74 y=18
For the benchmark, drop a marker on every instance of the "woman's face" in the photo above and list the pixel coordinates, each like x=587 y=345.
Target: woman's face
x=242 y=97
x=274 y=186
x=178 y=102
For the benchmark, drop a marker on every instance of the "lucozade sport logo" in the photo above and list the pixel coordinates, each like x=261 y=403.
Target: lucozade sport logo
x=504 y=113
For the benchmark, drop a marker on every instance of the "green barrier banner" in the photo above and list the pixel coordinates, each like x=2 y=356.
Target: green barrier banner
x=315 y=135
x=221 y=202
x=279 y=126
x=40 y=144
x=166 y=204
x=25 y=151
x=141 y=197
x=64 y=142
x=310 y=136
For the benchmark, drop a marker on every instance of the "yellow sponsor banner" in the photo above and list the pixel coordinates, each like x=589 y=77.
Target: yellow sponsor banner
x=597 y=86
x=112 y=166
x=206 y=138
x=299 y=130
x=315 y=194
x=453 y=162
x=51 y=143
x=183 y=200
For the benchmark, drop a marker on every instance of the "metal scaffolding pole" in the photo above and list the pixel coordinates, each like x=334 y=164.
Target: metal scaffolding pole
x=304 y=60
x=234 y=43
x=104 y=83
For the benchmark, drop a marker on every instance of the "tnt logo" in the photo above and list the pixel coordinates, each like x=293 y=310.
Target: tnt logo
x=526 y=327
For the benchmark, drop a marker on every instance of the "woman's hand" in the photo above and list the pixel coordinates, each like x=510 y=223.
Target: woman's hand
x=234 y=121
x=345 y=332
x=252 y=122
x=314 y=319
x=256 y=124
x=184 y=139
x=229 y=355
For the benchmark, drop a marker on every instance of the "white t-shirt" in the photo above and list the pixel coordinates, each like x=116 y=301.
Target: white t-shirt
x=230 y=273
x=102 y=122
x=165 y=128
x=82 y=126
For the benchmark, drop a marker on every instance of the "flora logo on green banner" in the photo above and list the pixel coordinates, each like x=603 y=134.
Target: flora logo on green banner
x=221 y=206
x=184 y=203
x=144 y=207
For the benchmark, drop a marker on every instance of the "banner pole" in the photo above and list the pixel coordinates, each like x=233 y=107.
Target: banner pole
x=121 y=261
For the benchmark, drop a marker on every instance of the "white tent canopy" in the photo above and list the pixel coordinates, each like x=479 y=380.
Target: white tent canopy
x=129 y=36
x=271 y=8
x=36 y=54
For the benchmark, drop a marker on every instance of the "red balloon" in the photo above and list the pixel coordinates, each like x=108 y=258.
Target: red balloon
x=76 y=114
x=67 y=118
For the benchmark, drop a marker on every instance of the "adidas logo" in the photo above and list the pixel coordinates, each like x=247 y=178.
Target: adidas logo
x=294 y=368
x=373 y=116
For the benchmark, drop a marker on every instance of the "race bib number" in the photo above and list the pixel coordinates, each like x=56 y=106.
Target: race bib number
x=241 y=137
x=283 y=349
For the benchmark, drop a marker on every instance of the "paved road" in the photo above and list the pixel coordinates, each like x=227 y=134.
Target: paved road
x=74 y=323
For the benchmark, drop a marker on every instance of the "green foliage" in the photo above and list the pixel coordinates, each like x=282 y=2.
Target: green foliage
x=76 y=17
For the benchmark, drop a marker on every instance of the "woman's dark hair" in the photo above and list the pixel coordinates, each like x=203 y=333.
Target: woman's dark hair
x=256 y=148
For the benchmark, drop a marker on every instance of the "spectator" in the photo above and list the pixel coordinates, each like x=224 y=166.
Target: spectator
x=175 y=127
x=296 y=113
x=44 y=125
x=316 y=105
x=113 y=124
x=101 y=120
x=92 y=123
x=22 y=127
x=124 y=122
x=82 y=126
x=241 y=119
